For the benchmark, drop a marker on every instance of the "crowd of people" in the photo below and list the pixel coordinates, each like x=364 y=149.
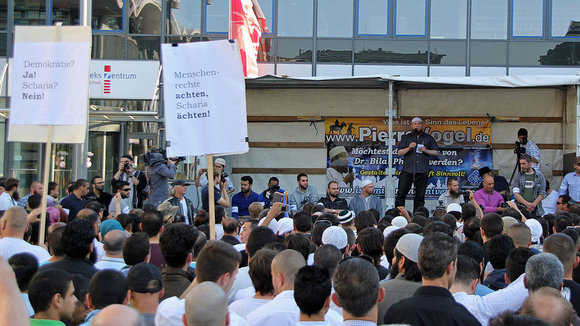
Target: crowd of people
x=288 y=258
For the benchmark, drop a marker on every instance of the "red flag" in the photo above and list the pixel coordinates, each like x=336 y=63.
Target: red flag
x=246 y=29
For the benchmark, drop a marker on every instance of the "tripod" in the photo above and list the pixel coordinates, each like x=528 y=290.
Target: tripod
x=519 y=151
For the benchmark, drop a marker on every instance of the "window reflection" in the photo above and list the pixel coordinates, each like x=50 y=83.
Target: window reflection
x=410 y=17
x=334 y=51
x=108 y=47
x=65 y=12
x=184 y=17
x=488 y=53
x=295 y=17
x=295 y=50
x=143 y=47
x=448 y=19
x=544 y=54
x=145 y=17
x=451 y=53
x=528 y=18
x=489 y=19
x=394 y=52
x=3 y=15
x=335 y=18
x=107 y=15
x=216 y=16
x=565 y=18
x=372 y=17
x=29 y=12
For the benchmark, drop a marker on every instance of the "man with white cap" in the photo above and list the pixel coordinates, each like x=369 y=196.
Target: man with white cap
x=405 y=274
x=335 y=236
x=220 y=166
x=537 y=231
x=417 y=148
x=366 y=200
x=346 y=219
x=338 y=170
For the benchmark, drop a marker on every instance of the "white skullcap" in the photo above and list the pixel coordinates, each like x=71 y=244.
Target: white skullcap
x=285 y=225
x=365 y=183
x=389 y=229
x=273 y=224
x=336 y=236
x=536 y=230
x=399 y=221
x=408 y=245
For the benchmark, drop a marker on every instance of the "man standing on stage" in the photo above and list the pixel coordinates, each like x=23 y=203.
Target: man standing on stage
x=416 y=147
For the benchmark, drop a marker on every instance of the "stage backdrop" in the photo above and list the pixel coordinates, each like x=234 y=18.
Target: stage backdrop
x=358 y=149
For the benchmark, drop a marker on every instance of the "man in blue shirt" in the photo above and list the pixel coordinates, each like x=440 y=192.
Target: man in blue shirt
x=242 y=200
x=75 y=201
x=571 y=182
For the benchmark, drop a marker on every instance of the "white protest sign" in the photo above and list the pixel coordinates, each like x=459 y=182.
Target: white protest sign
x=50 y=84
x=205 y=98
x=48 y=80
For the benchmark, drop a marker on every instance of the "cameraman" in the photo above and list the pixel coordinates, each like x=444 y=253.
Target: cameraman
x=267 y=195
x=136 y=179
x=159 y=173
x=220 y=166
x=531 y=148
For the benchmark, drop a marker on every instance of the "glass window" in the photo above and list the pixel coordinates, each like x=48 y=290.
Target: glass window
x=3 y=15
x=488 y=53
x=266 y=50
x=528 y=18
x=184 y=17
x=372 y=17
x=267 y=8
x=183 y=39
x=29 y=12
x=107 y=15
x=144 y=17
x=3 y=40
x=295 y=18
x=216 y=16
x=294 y=50
x=65 y=12
x=334 y=51
x=565 y=18
x=489 y=19
x=450 y=53
x=109 y=47
x=143 y=47
x=544 y=54
x=389 y=51
x=448 y=19
x=410 y=17
x=335 y=18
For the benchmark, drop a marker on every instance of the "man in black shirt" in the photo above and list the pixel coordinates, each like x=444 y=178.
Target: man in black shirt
x=331 y=202
x=433 y=304
x=99 y=194
x=417 y=147
x=564 y=248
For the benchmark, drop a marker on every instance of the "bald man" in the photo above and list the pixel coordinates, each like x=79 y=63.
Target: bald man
x=206 y=305
x=283 y=310
x=550 y=306
x=117 y=315
x=13 y=225
x=114 y=242
x=490 y=199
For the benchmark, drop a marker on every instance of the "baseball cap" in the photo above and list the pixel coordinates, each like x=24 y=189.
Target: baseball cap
x=365 y=183
x=180 y=183
x=399 y=221
x=408 y=245
x=345 y=216
x=336 y=236
x=144 y=278
x=220 y=161
x=453 y=207
x=416 y=119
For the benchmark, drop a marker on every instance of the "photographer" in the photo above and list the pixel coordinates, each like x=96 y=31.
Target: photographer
x=220 y=166
x=220 y=194
x=267 y=195
x=530 y=188
x=136 y=179
x=159 y=172
x=529 y=147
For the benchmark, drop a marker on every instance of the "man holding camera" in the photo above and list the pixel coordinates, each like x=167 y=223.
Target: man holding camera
x=530 y=148
x=220 y=166
x=530 y=188
x=159 y=174
x=220 y=194
x=136 y=179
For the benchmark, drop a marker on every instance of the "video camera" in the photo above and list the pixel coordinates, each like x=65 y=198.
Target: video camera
x=158 y=156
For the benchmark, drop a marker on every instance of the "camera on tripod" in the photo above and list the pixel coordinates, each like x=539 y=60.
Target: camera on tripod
x=521 y=146
x=158 y=156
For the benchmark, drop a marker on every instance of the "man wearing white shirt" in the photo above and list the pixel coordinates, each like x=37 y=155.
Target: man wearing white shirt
x=12 y=227
x=206 y=305
x=484 y=307
x=283 y=310
x=113 y=245
x=9 y=197
x=312 y=288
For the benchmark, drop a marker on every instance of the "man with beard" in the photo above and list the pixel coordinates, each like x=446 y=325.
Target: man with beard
x=452 y=195
x=303 y=194
x=405 y=276
x=366 y=200
x=98 y=194
x=331 y=202
x=119 y=205
x=266 y=195
x=338 y=170
x=417 y=147
x=242 y=200
x=530 y=188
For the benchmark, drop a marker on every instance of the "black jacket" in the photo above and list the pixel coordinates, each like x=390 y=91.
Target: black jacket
x=179 y=215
